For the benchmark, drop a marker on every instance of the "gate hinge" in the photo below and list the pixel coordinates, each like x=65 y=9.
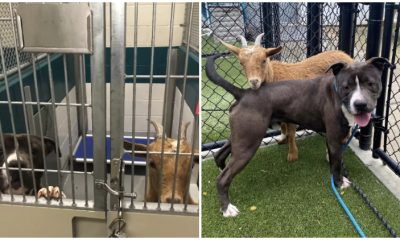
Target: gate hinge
x=103 y=185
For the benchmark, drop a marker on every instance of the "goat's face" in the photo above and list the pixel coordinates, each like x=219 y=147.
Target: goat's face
x=162 y=169
x=254 y=60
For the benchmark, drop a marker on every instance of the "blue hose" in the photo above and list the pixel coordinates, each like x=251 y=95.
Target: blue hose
x=352 y=219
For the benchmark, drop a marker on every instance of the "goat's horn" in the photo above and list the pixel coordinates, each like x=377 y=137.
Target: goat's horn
x=159 y=129
x=257 y=42
x=184 y=130
x=244 y=41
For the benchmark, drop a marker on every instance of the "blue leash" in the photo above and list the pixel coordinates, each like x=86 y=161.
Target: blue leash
x=339 y=198
x=346 y=209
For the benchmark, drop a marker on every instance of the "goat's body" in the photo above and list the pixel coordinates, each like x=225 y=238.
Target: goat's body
x=309 y=68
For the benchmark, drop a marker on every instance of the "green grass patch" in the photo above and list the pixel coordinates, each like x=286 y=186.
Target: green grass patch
x=295 y=199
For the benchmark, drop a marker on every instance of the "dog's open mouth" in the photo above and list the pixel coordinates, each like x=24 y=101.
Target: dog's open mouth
x=362 y=119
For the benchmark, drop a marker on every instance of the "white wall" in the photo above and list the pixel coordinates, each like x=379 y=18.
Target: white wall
x=62 y=125
x=163 y=15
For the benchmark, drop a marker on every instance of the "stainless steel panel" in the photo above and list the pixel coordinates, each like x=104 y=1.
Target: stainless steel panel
x=54 y=27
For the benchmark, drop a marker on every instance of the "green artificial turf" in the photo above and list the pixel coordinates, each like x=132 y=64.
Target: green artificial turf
x=295 y=199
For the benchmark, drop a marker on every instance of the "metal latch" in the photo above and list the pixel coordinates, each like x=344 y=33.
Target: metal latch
x=103 y=185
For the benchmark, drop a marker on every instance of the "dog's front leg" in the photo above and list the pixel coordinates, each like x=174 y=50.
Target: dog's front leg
x=335 y=161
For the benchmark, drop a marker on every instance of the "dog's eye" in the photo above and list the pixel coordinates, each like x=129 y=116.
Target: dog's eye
x=371 y=84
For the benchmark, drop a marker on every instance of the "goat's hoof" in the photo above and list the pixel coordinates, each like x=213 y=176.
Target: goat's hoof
x=292 y=157
x=52 y=193
x=282 y=139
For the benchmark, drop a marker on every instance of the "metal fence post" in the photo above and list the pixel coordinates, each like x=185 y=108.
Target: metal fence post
x=346 y=30
x=97 y=61
x=117 y=95
x=314 y=33
x=267 y=25
x=373 y=43
x=386 y=44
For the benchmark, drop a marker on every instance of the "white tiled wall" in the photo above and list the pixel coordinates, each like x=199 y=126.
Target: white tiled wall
x=145 y=10
x=187 y=117
x=62 y=122
x=142 y=101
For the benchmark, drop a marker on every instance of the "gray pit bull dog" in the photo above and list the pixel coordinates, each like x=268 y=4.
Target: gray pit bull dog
x=13 y=156
x=329 y=104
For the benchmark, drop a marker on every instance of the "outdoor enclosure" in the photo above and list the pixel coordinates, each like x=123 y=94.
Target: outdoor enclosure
x=90 y=91
x=278 y=197
x=303 y=30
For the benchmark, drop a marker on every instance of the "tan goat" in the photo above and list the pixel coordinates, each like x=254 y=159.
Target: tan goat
x=259 y=68
x=163 y=173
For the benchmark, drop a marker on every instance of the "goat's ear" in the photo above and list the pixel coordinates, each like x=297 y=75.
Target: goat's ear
x=379 y=62
x=272 y=51
x=230 y=47
x=138 y=147
x=337 y=67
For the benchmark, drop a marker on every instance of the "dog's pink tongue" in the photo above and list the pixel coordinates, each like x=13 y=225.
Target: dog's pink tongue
x=362 y=119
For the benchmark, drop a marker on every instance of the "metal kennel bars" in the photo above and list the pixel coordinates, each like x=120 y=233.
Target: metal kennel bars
x=80 y=99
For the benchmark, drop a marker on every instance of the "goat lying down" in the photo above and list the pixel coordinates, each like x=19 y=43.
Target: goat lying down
x=259 y=68
x=163 y=171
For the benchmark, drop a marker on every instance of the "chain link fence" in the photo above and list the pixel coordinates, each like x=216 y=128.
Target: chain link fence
x=8 y=38
x=288 y=26
x=392 y=122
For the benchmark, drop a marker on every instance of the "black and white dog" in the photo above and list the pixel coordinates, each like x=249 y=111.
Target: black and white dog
x=13 y=157
x=329 y=104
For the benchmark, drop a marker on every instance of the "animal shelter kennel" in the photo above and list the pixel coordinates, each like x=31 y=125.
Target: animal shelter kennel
x=362 y=30
x=92 y=77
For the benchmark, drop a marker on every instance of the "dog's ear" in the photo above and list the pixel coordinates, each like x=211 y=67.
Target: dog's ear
x=379 y=62
x=337 y=67
x=230 y=47
x=272 y=51
x=138 y=147
x=50 y=146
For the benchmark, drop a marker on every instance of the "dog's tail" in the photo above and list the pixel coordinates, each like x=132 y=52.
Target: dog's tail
x=212 y=74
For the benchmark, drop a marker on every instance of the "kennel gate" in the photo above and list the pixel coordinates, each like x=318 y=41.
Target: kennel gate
x=65 y=96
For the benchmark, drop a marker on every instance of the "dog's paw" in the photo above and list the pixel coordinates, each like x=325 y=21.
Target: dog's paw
x=346 y=183
x=52 y=193
x=231 y=211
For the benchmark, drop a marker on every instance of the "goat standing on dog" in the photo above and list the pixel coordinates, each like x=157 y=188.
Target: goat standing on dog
x=260 y=69
x=162 y=171
x=330 y=104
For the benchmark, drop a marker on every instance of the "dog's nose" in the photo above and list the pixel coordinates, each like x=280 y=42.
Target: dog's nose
x=254 y=82
x=360 y=106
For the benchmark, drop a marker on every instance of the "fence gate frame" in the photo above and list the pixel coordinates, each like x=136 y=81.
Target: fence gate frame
x=381 y=126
